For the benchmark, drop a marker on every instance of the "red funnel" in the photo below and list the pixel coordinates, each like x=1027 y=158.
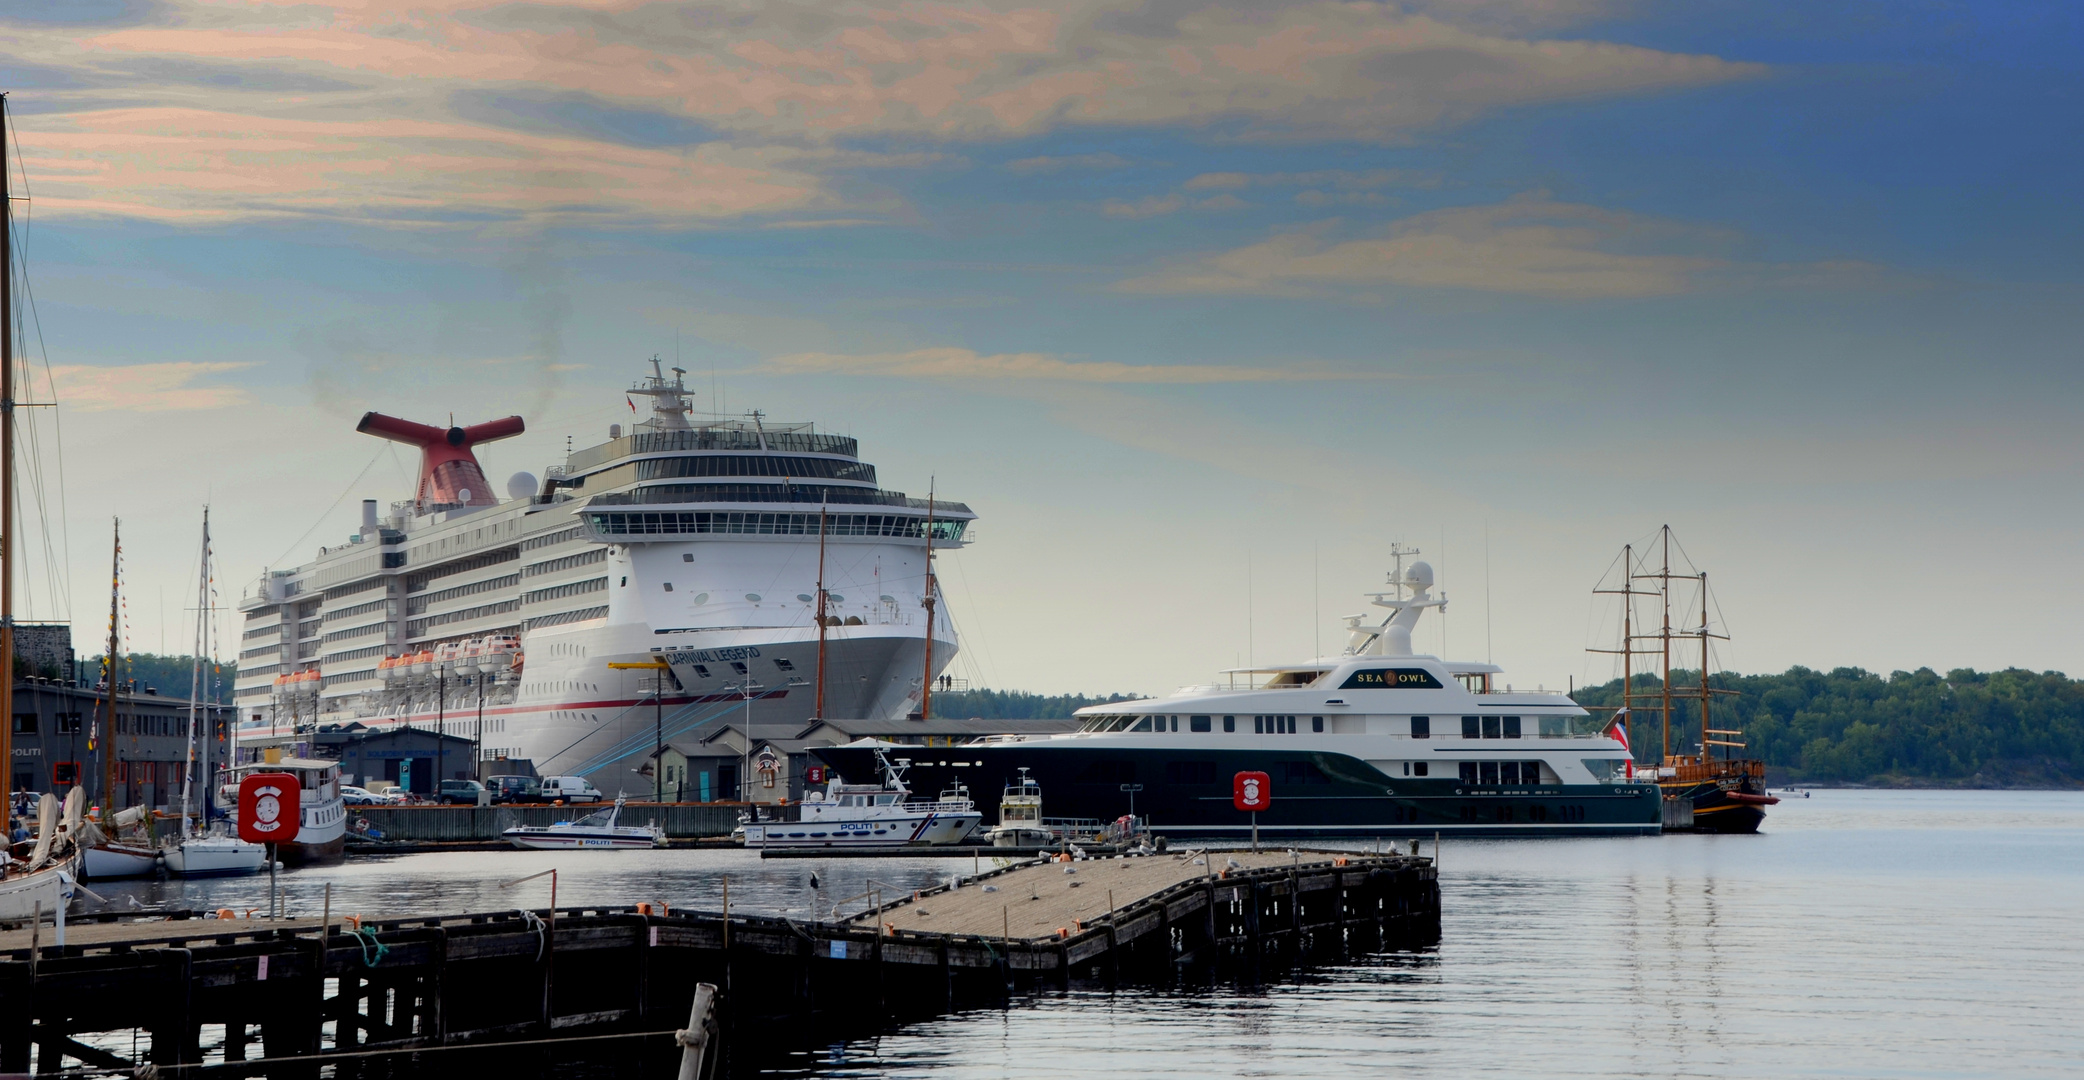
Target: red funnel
x=449 y=472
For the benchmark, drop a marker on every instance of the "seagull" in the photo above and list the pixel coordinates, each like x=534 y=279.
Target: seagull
x=991 y=888
x=1234 y=864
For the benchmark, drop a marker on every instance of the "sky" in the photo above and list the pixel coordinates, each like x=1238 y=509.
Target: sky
x=1201 y=306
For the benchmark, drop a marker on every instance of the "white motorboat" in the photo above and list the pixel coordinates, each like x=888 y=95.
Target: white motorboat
x=214 y=856
x=600 y=829
x=321 y=809
x=1020 y=816
x=870 y=815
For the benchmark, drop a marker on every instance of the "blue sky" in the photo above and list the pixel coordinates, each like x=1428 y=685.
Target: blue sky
x=1199 y=307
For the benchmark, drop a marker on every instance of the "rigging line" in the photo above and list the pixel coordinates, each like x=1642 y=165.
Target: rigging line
x=969 y=597
x=336 y=505
x=57 y=429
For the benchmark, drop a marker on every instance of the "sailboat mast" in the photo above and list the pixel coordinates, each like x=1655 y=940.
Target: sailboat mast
x=1664 y=590
x=195 y=688
x=6 y=476
x=1628 y=637
x=108 y=731
x=821 y=613
x=926 y=677
x=1704 y=695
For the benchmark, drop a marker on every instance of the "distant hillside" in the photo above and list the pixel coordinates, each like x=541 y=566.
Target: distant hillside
x=2010 y=728
x=170 y=674
x=1016 y=705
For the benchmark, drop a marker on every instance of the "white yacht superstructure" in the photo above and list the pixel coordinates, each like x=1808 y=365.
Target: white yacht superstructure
x=690 y=540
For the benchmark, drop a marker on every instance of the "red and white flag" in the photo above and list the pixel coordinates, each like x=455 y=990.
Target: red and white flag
x=1618 y=731
x=632 y=402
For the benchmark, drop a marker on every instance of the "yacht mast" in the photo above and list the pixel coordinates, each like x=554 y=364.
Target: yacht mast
x=1664 y=589
x=195 y=684
x=6 y=475
x=108 y=731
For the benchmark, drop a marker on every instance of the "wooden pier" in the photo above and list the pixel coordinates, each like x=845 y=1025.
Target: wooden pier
x=281 y=998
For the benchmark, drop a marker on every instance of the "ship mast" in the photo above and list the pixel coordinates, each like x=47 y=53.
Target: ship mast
x=926 y=677
x=6 y=477
x=1664 y=588
x=195 y=687
x=108 y=733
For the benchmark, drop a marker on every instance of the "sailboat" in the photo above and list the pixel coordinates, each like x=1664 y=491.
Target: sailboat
x=107 y=854
x=1712 y=789
x=40 y=883
x=214 y=853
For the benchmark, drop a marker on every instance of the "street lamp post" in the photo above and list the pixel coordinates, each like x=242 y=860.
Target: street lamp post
x=658 y=749
x=1132 y=789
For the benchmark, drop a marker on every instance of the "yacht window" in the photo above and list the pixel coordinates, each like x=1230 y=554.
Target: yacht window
x=1552 y=727
x=1512 y=727
x=1530 y=772
x=1418 y=768
x=1259 y=725
x=1470 y=727
x=1317 y=724
x=1421 y=727
x=1142 y=725
x=1490 y=727
x=1407 y=768
x=1487 y=773
x=1175 y=723
x=1121 y=723
x=1230 y=723
x=1509 y=772
x=1197 y=723
x=1468 y=772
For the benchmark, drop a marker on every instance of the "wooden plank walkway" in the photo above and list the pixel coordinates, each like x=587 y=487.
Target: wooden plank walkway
x=287 y=990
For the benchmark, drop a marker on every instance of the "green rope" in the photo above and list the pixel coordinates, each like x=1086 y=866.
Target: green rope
x=367 y=938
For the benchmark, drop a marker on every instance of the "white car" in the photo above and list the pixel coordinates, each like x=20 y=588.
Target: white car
x=569 y=788
x=358 y=796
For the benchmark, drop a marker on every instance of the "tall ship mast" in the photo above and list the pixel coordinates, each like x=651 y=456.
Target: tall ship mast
x=691 y=538
x=1714 y=788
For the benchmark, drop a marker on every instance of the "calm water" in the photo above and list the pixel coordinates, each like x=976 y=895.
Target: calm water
x=1921 y=934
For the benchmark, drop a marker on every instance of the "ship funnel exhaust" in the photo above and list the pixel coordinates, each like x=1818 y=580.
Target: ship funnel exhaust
x=368 y=520
x=450 y=476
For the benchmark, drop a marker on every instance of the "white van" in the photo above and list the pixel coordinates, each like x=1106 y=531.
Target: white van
x=569 y=788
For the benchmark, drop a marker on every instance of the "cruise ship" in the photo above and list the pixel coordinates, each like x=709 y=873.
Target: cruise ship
x=692 y=541
x=1378 y=741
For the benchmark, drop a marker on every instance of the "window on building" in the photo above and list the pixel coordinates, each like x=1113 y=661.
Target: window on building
x=1421 y=727
x=65 y=772
x=1490 y=727
x=1471 y=727
x=1512 y=727
x=1197 y=723
x=25 y=723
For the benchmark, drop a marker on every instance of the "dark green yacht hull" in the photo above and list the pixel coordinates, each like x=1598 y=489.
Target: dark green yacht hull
x=1187 y=792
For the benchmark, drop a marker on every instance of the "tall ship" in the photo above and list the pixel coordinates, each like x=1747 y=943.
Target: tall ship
x=736 y=551
x=1377 y=741
x=1715 y=788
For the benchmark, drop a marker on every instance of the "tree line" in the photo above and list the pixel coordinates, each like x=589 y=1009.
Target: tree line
x=169 y=674
x=1016 y=705
x=1964 y=728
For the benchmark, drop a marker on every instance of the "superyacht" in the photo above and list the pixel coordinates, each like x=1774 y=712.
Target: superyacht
x=695 y=541
x=1378 y=741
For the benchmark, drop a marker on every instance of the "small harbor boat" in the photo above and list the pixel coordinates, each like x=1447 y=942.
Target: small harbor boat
x=211 y=853
x=600 y=829
x=42 y=882
x=872 y=815
x=1020 y=816
x=120 y=848
x=214 y=856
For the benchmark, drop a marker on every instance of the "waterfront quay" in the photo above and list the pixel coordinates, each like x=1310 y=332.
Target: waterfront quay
x=291 y=995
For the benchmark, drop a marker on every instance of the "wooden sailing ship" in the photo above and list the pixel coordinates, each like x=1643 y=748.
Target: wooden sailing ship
x=1715 y=788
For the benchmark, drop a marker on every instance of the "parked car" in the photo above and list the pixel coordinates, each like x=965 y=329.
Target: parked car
x=515 y=788
x=460 y=793
x=570 y=789
x=356 y=796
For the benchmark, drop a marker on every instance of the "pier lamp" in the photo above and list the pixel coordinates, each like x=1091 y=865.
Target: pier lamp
x=658 y=699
